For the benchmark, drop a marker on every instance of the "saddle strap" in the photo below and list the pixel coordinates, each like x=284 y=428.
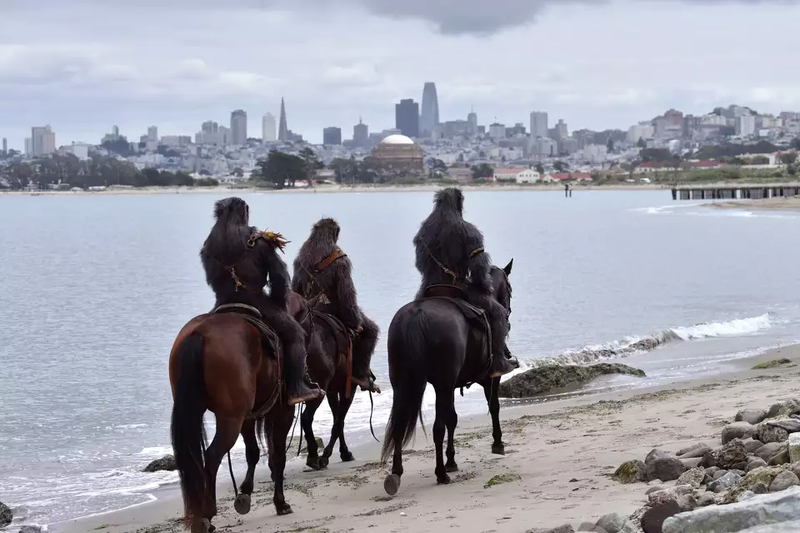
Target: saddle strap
x=249 y=308
x=272 y=337
x=337 y=326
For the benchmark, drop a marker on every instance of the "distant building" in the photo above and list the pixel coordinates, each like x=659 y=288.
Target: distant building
x=497 y=131
x=516 y=129
x=562 y=131
x=209 y=126
x=79 y=150
x=746 y=125
x=455 y=128
x=429 y=118
x=472 y=123
x=283 y=127
x=28 y=146
x=539 y=124
x=152 y=133
x=398 y=154
x=361 y=134
x=406 y=115
x=268 y=129
x=332 y=135
x=518 y=175
x=5 y=146
x=43 y=141
x=643 y=131
x=238 y=127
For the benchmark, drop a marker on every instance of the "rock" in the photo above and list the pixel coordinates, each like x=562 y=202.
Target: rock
x=791 y=425
x=693 y=477
x=687 y=503
x=566 y=528
x=710 y=471
x=693 y=462
x=656 y=454
x=761 y=509
x=612 y=522
x=767 y=433
x=794 y=447
x=654 y=517
x=783 y=481
x=551 y=377
x=774 y=409
x=705 y=499
x=30 y=529
x=728 y=481
x=630 y=527
x=751 y=445
x=751 y=416
x=772 y=364
x=755 y=462
x=696 y=450
x=165 y=463
x=630 y=472
x=780 y=458
x=738 y=430
x=665 y=469
x=789 y=408
x=746 y=495
x=783 y=527
x=6 y=516
x=588 y=526
x=729 y=456
x=654 y=488
x=769 y=450
x=671 y=494
x=718 y=474
x=759 y=488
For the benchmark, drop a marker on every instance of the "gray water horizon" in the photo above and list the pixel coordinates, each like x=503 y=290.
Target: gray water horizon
x=95 y=288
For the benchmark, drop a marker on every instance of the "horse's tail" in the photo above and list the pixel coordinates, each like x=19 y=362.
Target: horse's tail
x=187 y=428
x=408 y=368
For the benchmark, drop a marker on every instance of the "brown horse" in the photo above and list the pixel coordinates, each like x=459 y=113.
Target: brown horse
x=220 y=363
x=330 y=367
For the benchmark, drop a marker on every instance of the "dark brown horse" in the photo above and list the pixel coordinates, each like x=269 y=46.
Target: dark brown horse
x=220 y=363
x=432 y=340
x=330 y=367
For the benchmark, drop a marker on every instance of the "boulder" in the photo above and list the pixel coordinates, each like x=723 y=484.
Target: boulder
x=791 y=425
x=545 y=379
x=728 y=481
x=751 y=416
x=654 y=488
x=705 y=499
x=656 y=454
x=693 y=477
x=718 y=474
x=694 y=462
x=738 y=430
x=780 y=458
x=655 y=499
x=165 y=463
x=687 y=502
x=612 y=522
x=630 y=472
x=783 y=527
x=768 y=451
x=794 y=447
x=665 y=469
x=759 y=488
x=783 y=481
x=591 y=528
x=566 y=528
x=653 y=518
x=696 y=450
x=6 y=516
x=760 y=509
x=755 y=462
x=751 y=445
x=30 y=529
x=731 y=455
x=767 y=433
x=774 y=409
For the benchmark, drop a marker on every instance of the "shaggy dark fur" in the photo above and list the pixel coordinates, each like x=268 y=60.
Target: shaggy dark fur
x=336 y=282
x=449 y=239
x=225 y=247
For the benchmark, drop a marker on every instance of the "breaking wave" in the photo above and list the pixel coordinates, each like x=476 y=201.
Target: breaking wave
x=635 y=345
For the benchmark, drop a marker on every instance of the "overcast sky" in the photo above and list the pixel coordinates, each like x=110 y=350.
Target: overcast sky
x=85 y=65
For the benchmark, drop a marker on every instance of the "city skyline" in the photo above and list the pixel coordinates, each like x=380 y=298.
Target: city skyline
x=80 y=76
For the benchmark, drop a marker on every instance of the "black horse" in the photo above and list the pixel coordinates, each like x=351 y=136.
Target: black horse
x=432 y=340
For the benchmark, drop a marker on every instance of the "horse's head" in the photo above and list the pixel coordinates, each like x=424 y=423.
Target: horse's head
x=502 y=286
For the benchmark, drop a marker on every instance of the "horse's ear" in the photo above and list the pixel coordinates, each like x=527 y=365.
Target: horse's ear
x=508 y=267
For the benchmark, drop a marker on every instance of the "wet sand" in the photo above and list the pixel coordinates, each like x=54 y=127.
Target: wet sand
x=559 y=455
x=764 y=204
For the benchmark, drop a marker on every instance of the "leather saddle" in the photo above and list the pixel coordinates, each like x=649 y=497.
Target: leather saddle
x=253 y=316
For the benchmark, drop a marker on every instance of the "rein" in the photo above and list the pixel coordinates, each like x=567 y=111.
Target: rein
x=448 y=271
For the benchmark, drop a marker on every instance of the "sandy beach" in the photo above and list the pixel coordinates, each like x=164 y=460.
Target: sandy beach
x=763 y=204
x=559 y=455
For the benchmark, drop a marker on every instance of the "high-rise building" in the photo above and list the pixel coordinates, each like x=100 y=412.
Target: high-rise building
x=283 y=127
x=472 y=123
x=332 y=135
x=5 y=146
x=239 y=127
x=209 y=126
x=430 y=110
x=268 y=132
x=115 y=131
x=406 y=117
x=746 y=125
x=361 y=134
x=43 y=141
x=539 y=124
x=152 y=133
x=28 y=146
x=562 y=132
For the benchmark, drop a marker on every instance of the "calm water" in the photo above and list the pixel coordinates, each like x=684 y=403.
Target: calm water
x=93 y=291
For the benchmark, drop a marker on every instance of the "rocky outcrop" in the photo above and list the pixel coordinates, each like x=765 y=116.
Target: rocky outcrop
x=751 y=416
x=545 y=379
x=165 y=463
x=665 y=469
x=6 y=516
x=630 y=472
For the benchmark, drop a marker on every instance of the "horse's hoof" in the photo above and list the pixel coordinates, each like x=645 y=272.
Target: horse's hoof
x=391 y=484
x=313 y=463
x=499 y=449
x=347 y=457
x=283 y=509
x=211 y=528
x=201 y=525
x=443 y=480
x=242 y=503
x=451 y=467
x=323 y=462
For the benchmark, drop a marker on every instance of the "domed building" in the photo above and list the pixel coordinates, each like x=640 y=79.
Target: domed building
x=399 y=155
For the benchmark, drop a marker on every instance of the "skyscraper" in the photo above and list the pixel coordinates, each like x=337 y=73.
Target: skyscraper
x=332 y=135
x=43 y=141
x=210 y=126
x=238 y=127
x=283 y=129
x=5 y=146
x=406 y=117
x=538 y=124
x=268 y=133
x=430 y=109
x=361 y=134
x=562 y=131
x=472 y=123
x=152 y=133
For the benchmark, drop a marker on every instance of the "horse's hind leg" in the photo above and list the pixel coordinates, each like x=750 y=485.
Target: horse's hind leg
x=224 y=439
x=242 y=502
x=344 y=407
x=307 y=424
x=491 y=390
x=445 y=412
x=277 y=432
x=333 y=402
x=452 y=422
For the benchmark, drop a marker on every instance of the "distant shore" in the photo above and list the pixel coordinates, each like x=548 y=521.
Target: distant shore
x=556 y=471
x=763 y=204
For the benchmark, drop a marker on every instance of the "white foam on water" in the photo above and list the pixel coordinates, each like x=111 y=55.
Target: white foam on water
x=739 y=326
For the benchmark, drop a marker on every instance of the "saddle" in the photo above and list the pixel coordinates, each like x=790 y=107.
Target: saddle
x=344 y=342
x=253 y=316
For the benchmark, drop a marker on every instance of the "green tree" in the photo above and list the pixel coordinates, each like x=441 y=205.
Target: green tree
x=280 y=168
x=311 y=164
x=788 y=158
x=540 y=169
x=482 y=171
x=344 y=170
x=641 y=143
x=610 y=145
x=560 y=166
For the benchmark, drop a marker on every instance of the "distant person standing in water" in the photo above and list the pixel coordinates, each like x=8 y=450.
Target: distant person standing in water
x=567 y=193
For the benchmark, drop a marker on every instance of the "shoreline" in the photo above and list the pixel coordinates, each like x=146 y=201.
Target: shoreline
x=763 y=204
x=330 y=499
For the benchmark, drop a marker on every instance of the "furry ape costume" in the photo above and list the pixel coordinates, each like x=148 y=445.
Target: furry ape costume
x=450 y=251
x=322 y=269
x=239 y=261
